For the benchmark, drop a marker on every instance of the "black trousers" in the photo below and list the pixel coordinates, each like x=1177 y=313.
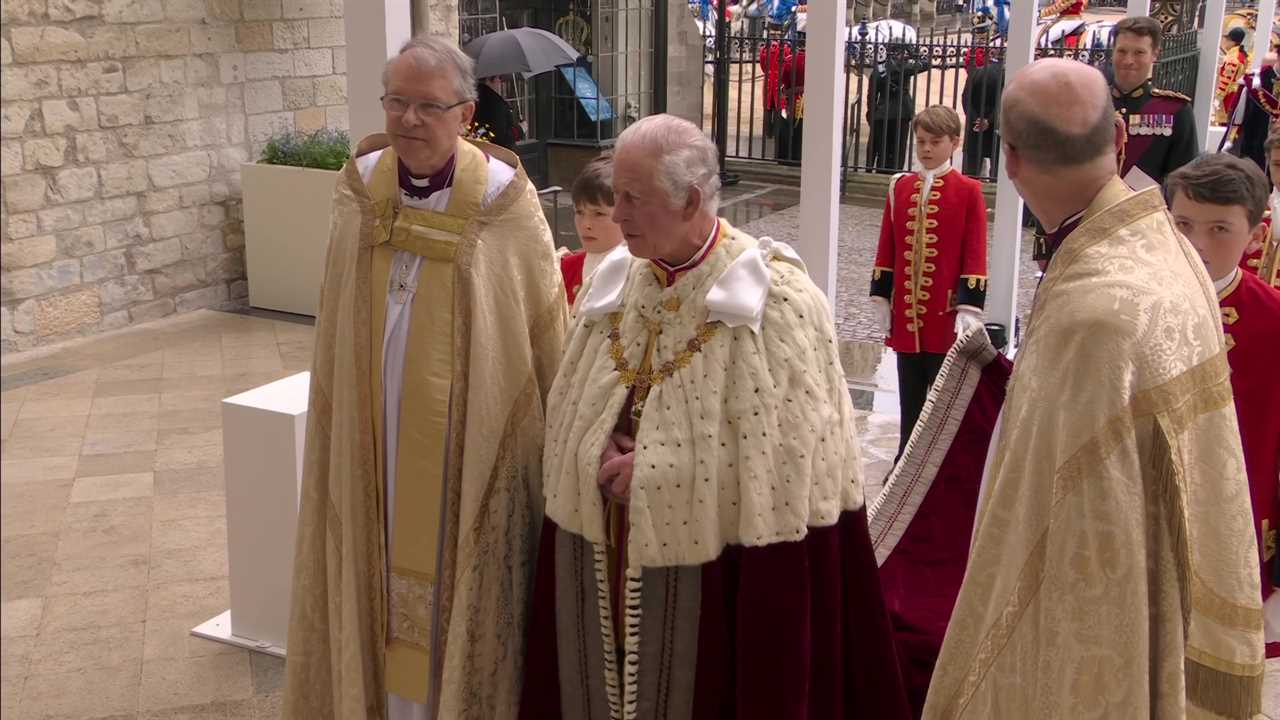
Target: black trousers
x=887 y=144
x=916 y=373
x=978 y=146
x=790 y=139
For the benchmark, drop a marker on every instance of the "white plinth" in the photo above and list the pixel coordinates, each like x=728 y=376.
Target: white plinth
x=1214 y=138
x=263 y=431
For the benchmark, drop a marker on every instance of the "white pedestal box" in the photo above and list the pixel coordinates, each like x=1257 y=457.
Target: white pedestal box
x=263 y=431
x=1214 y=138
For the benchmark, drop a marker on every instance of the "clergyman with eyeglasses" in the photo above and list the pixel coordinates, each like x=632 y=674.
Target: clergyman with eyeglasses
x=440 y=328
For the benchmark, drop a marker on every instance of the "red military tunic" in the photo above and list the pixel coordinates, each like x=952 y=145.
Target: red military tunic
x=1065 y=9
x=571 y=269
x=1233 y=68
x=1265 y=261
x=791 y=85
x=932 y=257
x=772 y=58
x=1251 y=324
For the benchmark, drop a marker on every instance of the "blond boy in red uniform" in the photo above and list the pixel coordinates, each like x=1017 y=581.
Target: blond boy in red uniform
x=930 y=276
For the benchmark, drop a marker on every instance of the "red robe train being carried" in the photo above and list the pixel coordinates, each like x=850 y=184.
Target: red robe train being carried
x=921 y=522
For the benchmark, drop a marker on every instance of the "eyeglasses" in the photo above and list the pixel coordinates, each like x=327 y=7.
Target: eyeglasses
x=399 y=105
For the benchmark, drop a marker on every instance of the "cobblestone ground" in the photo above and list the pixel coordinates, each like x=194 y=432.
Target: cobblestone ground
x=859 y=232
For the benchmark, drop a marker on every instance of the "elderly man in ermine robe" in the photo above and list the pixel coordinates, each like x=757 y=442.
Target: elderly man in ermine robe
x=440 y=326
x=705 y=552
x=1113 y=571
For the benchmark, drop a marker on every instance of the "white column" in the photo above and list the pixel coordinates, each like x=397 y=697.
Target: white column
x=1137 y=8
x=1262 y=35
x=1002 y=261
x=821 y=158
x=374 y=34
x=1207 y=73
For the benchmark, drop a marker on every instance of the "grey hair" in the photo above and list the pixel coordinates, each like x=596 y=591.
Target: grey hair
x=687 y=158
x=434 y=52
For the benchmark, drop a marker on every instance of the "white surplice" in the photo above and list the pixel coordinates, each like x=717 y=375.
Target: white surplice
x=403 y=283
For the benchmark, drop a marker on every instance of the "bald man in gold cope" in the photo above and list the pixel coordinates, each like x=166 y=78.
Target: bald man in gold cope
x=1112 y=566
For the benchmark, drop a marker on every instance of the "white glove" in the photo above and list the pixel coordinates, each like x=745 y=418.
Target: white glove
x=967 y=316
x=881 y=313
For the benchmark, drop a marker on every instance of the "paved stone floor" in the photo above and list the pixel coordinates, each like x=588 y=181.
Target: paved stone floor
x=113 y=527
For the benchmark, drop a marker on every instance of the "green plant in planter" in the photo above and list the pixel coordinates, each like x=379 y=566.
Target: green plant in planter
x=322 y=149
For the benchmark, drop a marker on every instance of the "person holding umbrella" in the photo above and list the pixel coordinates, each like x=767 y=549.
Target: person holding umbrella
x=528 y=51
x=494 y=116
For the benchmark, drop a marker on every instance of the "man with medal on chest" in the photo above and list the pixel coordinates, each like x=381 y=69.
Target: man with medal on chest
x=440 y=327
x=1160 y=129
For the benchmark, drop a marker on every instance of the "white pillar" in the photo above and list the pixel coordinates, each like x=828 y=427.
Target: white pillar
x=1137 y=8
x=374 y=34
x=1262 y=35
x=1207 y=73
x=821 y=157
x=1002 y=261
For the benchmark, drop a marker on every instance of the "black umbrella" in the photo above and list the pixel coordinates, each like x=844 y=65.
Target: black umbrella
x=528 y=51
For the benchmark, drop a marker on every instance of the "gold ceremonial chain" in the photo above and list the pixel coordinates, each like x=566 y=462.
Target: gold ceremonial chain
x=645 y=378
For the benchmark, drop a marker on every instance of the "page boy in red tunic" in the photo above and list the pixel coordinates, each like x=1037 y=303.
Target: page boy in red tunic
x=1263 y=258
x=1217 y=202
x=593 y=218
x=930 y=276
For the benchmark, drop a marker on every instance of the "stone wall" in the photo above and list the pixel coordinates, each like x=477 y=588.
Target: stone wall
x=124 y=126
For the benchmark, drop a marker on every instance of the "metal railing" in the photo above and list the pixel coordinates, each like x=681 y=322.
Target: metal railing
x=885 y=85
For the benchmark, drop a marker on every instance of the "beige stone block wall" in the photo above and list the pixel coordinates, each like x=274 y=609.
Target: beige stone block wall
x=123 y=124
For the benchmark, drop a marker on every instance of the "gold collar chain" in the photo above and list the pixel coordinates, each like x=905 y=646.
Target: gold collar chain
x=644 y=378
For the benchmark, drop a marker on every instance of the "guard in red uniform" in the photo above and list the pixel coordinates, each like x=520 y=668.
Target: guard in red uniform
x=930 y=276
x=1217 y=202
x=593 y=218
x=1064 y=11
x=1234 y=66
x=790 y=132
x=772 y=57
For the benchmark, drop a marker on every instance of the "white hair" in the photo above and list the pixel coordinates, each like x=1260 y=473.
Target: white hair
x=434 y=52
x=687 y=158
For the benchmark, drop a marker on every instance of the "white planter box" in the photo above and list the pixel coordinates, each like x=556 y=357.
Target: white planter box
x=286 y=234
